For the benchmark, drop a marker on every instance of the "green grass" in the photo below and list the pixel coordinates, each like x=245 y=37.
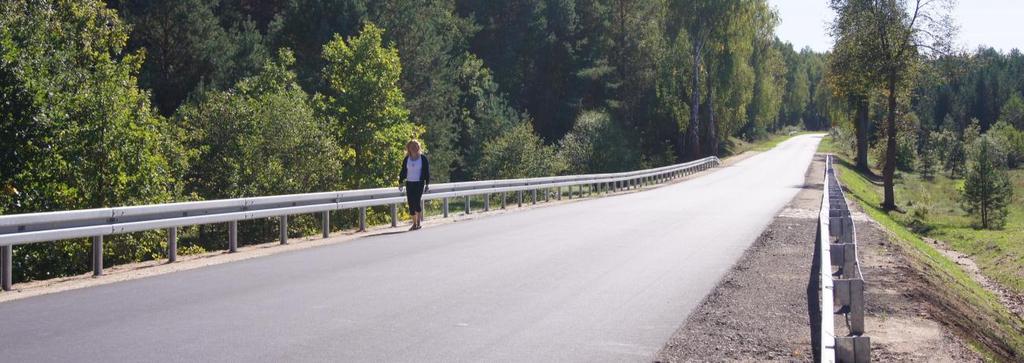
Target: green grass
x=962 y=300
x=999 y=253
x=827 y=145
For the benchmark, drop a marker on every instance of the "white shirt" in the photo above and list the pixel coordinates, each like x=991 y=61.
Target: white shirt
x=414 y=169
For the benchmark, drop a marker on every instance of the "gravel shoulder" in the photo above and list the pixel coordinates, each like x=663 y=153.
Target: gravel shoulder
x=759 y=310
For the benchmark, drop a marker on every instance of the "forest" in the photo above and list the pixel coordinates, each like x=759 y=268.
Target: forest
x=133 y=102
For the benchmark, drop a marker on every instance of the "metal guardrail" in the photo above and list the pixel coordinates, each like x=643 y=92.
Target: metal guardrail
x=29 y=228
x=837 y=243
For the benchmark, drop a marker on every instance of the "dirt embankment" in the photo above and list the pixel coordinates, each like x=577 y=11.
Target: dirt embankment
x=759 y=310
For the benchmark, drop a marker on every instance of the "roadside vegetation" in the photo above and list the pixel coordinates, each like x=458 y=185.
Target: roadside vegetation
x=128 y=102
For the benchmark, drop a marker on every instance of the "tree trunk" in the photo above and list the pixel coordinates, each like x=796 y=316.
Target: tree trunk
x=692 y=138
x=889 y=171
x=861 y=124
x=710 y=137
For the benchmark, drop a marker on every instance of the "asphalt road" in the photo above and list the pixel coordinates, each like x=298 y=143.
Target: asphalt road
x=608 y=279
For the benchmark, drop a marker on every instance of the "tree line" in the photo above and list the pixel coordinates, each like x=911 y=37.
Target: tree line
x=109 y=103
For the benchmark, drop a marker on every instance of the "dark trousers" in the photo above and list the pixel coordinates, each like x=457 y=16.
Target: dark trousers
x=414 y=195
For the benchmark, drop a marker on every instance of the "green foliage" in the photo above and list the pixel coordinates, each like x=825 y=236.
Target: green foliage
x=365 y=107
x=518 y=153
x=188 y=49
x=485 y=115
x=78 y=132
x=927 y=159
x=769 y=82
x=1013 y=111
x=596 y=145
x=1009 y=142
x=987 y=189
x=950 y=150
x=260 y=138
x=432 y=41
x=906 y=144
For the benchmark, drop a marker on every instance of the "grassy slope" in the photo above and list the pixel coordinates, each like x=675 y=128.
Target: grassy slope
x=962 y=300
x=999 y=253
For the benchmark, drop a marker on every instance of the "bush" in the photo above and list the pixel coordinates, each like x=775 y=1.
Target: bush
x=1009 y=142
x=596 y=145
x=75 y=130
x=987 y=190
x=260 y=138
x=1013 y=111
x=518 y=153
x=950 y=150
x=845 y=140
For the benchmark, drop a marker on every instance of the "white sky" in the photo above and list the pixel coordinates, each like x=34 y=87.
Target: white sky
x=995 y=23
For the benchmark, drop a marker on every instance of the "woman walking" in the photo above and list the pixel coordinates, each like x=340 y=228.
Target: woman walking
x=415 y=176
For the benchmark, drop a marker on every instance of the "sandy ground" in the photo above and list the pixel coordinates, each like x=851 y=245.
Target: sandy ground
x=145 y=269
x=898 y=317
x=759 y=310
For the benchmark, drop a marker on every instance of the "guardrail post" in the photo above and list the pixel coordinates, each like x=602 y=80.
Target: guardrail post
x=444 y=206
x=467 y=201
x=487 y=202
x=325 y=223
x=857 y=307
x=855 y=349
x=283 y=228
x=504 y=199
x=849 y=260
x=519 y=197
x=232 y=236
x=172 y=244
x=394 y=215
x=6 y=267
x=97 y=256
x=534 y=201
x=558 y=193
x=362 y=219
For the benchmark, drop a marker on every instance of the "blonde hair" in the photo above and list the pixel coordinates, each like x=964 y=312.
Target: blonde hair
x=412 y=143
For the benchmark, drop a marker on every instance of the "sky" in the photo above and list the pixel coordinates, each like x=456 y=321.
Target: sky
x=995 y=23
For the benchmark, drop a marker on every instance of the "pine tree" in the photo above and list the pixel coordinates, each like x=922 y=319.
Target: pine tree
x=987 y=190
x=927 y=160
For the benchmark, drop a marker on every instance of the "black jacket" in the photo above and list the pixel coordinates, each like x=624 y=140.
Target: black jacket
x=424 y=175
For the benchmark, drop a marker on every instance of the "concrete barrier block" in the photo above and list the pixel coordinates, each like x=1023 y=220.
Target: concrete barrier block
x=855 y=349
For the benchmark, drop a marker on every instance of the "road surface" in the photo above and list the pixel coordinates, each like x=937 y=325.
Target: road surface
x=608 y=279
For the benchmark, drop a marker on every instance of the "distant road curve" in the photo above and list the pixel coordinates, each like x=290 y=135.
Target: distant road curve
x=608 y=279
